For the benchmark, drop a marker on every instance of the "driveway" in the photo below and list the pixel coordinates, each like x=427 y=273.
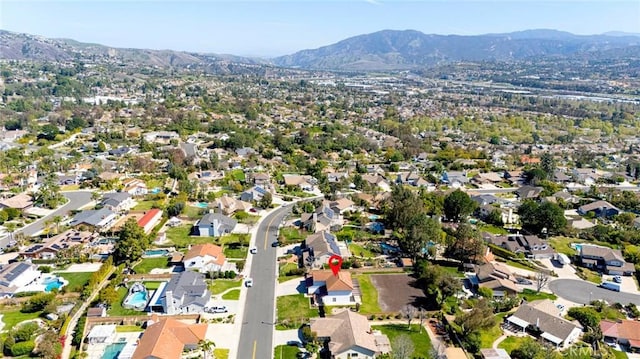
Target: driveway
x=583 y=292
x=282 y=337
x=290 y=287
x=564 y=272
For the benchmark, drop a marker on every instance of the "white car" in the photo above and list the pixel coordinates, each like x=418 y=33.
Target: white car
x=248 y=282
x=217 y=309
x=253 y=250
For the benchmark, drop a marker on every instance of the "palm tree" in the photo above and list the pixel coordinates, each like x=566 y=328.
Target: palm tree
x=206 y=346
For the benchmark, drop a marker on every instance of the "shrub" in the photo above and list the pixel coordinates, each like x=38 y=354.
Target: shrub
x=22 y=348
x=38 y=302
x=25 y=331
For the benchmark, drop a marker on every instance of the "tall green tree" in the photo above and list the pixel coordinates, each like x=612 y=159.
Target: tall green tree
x=131 y=244
x=458 y=205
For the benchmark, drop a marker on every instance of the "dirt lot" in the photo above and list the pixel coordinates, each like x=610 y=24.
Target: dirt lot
x=397 y=290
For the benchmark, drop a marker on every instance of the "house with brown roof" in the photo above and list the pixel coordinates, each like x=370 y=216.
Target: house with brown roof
x=134 y=186
x=21 y=201
x=54 y=245
x=496 y=277
x=206 y=258
x=623 y=332
x=319 y=247
x=331 y=289
x=168 y=339
x=349 y=335
x=305 y=183
x=605 y=259
x=548 y=326
x=229 y=205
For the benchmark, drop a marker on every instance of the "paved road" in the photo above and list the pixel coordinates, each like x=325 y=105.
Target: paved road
x=258 y=324
x=77 y=199
x=582 y=292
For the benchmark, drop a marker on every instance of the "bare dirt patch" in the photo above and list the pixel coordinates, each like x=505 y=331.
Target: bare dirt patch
x=397 y=290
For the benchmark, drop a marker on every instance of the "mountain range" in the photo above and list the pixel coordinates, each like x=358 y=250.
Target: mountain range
x=382 y=50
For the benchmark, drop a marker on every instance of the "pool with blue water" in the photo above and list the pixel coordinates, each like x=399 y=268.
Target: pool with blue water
x=112 y=350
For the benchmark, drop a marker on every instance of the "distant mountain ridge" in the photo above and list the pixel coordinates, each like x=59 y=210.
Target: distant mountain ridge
x=405 y=49
x=382 y=50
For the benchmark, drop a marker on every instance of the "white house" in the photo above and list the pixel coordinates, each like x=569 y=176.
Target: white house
x=206 y=258
x=331 y=289
x=17 y=275
x=135 y=187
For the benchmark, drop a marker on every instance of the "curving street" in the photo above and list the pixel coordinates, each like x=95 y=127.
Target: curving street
x=258 y=319
x=582 y=292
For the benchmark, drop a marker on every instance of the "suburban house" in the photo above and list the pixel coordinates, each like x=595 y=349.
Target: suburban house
x=186 y=293
x=323 y=219
x=254 y=193
x=117 y=201
x=528 y=192
x=97 y=219
x=229 y=205
x=599 y=209
x=135 y=187
x=623 y=332
x=530 y=245
x=52 y=246
x=496 y=277
x=605 y=259
x=331 y=289
x=168 y=338
x=161 y=137
x=15 y=276
x=342 y=205
x=550 y=326
x=21 y=201
x=214 y=225
x=206 y=258
x=376 y=180
x=349 y=335
x=150 y=220
x=455 y=179
x=318 y=247
x=261 y=179
x=305 y=183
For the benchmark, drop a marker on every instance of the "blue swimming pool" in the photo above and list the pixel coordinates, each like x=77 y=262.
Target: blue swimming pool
x=112 y=350
x=156 y=252
x=202 y=204
x=137 y=299
x=51 y=284
x=155 y=190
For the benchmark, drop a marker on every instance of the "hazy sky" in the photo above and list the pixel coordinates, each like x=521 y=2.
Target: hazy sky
x=269 y=28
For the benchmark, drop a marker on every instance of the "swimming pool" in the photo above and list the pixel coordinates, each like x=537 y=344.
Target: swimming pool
x=156 y=252
x=137 y=299
x=202 y=204
x=51 y=284
x=112 y=350
x=155 y=190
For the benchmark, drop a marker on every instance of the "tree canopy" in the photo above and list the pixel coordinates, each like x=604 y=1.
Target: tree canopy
x=458 y=205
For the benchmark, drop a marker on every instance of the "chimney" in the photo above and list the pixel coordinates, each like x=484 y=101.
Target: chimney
x=538 y=323
x=315 y=217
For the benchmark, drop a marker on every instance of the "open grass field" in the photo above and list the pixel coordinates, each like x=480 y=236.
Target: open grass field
x=147 y=264
x=421 y=342
x=77 y=281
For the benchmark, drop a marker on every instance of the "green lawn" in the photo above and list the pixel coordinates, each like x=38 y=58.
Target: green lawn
x=493 y=229
x=180 y=237
x=285 y=352
x=147 y=264
x=116 y=307
x=519 y=265
x=452 y=270
x=220 y=353
x=238 y=175
x=530 y=295
x=488 y=336
x=152 y=285
x=619 y=355
x=77 y=281
x=511 y=343
x=589 y=275
x=235 y=250
x=421 y=341
x=12 y=318
x=361 y=251
x=563 y=244
x=144 y=205
x=291 y=235
x=193 y=212
x=220 y=285
x=286 y=268
x=295 y=310
x=232 y=295
x=369 y=295
x=128 y=328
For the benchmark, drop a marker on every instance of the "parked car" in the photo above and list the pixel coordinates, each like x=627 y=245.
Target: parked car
x=248 y=282
x=253 y=250
x=617 y=279
x=217 y=309
x=275 y=244
x=611 y=286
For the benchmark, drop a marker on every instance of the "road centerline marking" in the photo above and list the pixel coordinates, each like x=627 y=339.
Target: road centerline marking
x=255 y=342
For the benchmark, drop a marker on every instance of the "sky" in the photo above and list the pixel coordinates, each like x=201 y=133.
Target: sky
x=271 y=28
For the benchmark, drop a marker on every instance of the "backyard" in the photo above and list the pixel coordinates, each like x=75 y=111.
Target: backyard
x=116 y=308
x=369 y=295
x=181 y=238
x=293 y=311
x=395 y=291
x=420 y=339
x=15 y=317
x=291 y=235
x=359 y=250
x=147 y=264
x=77 y=280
